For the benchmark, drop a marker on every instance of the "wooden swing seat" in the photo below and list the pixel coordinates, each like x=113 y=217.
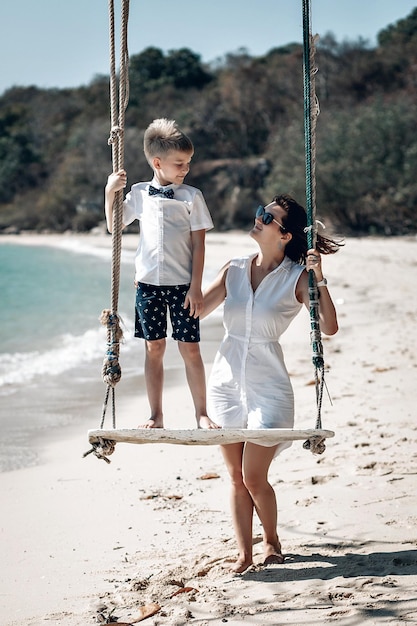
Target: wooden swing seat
x=203 y=436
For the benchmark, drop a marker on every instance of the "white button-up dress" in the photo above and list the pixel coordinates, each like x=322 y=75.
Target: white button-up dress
x=249 y=386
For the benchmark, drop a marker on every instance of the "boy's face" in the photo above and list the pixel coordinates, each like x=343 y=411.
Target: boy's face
x=172 y=167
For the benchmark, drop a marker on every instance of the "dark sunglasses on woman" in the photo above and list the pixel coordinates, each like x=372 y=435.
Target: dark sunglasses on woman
x=267 y=218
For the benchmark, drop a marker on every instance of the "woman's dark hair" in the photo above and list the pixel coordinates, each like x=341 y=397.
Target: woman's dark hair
x=295 y=222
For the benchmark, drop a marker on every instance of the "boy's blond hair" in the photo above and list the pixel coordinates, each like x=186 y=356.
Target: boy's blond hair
x=162 y=136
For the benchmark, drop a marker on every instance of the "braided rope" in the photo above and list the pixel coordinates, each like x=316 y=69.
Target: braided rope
x=119 y=96
x=311 y=111
x=111 y=369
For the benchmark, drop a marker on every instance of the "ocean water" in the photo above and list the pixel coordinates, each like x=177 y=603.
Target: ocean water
x=52 y=344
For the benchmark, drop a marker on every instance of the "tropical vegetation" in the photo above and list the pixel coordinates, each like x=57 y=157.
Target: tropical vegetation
x=245 y=116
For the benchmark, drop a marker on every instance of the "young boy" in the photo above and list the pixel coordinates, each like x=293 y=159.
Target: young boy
x=169 y=261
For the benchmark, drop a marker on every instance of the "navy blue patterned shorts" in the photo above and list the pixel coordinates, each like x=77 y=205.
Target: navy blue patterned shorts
x=152 y=302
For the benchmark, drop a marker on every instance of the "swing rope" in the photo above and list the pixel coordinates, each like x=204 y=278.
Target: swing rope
x=111 y=369
x=119 y=96
x=311 y=112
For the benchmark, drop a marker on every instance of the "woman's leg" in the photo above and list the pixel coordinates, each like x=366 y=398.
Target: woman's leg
x=241 y=506
x=256 y=462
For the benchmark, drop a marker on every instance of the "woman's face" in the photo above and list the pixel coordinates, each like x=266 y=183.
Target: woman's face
x=277 y=211
x=273 y=228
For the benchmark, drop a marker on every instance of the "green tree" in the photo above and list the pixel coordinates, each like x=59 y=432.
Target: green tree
x=20 y=162
x=185 y=69
x=366 y=160
x=403 y=32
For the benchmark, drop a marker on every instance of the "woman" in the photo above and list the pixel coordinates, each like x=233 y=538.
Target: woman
x=249 y=386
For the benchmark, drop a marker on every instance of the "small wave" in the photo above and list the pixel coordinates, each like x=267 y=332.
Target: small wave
x=83 y=247
x=20 y=368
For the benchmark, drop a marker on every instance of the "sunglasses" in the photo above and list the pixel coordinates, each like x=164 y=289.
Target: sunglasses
x=267 y=218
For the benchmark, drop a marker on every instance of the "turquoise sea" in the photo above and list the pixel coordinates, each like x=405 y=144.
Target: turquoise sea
x=52 y=344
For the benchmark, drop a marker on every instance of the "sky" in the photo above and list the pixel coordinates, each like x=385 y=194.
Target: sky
x=65 y=43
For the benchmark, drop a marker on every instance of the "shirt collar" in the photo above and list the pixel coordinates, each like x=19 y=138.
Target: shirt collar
x=156 y=184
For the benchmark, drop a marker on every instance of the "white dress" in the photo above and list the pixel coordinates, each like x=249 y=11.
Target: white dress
x=249 y=386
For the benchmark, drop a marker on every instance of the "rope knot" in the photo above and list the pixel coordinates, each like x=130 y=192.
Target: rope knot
x=316 y=445
x=112 y=321
x=318 y=363
x=111 y=370
x=102 y=449
x=115 y=133
x=315 y=335
x=309 y=229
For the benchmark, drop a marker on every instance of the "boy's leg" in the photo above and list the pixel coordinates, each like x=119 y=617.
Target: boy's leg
x=154 y=378
x=186 y=331
x=196 y=378
x=150 y=324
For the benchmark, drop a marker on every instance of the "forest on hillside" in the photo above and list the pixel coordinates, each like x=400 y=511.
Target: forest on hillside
x=245 y=117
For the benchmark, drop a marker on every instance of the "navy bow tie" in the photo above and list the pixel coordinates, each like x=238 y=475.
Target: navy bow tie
x=168 y=193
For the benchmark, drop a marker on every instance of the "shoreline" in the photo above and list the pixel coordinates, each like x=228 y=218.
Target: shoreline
x=80 y=536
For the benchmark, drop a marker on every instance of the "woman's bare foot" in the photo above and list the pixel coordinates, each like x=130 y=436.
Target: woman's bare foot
x=273 y=554
x=153 y=422
x=241 y=566
x=274 y=559
x=205 y=422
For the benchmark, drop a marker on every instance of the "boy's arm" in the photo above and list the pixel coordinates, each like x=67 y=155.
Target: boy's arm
x=115 y=182
x=194 y=297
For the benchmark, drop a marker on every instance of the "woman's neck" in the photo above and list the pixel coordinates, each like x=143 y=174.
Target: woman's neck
x=267 y=261
x=262 y=265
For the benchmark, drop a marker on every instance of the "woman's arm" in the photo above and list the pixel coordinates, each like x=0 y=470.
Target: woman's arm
x=327 y=311
x=215 y=294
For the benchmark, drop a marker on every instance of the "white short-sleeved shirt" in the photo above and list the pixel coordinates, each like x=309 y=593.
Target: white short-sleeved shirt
x=164 y=254
x=249 y=386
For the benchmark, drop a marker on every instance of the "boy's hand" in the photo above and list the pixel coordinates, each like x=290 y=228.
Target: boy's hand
x=117 y=181
x=194 y=302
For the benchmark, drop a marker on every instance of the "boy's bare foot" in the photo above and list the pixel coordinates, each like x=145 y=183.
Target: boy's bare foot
x=273 y=554
x=241 y=566
x=205 y=422
x=153 y=422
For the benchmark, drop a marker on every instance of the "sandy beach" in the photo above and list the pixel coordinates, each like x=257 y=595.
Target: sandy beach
x=85 y=542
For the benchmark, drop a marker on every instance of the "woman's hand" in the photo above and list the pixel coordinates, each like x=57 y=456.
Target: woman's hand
x=327 y=311
x=313 y=262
